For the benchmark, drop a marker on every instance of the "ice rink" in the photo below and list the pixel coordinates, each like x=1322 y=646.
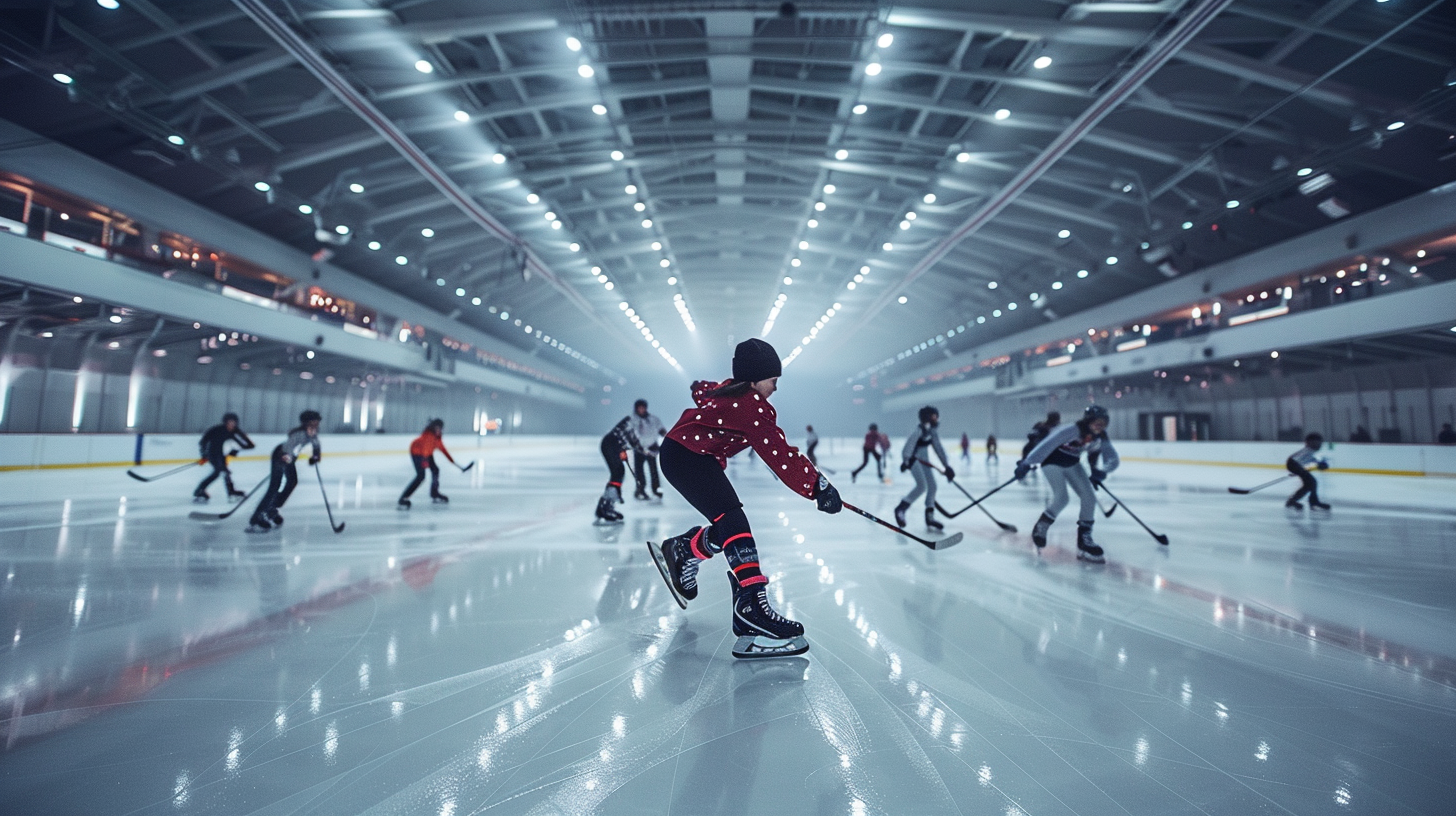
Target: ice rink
x=502 y=655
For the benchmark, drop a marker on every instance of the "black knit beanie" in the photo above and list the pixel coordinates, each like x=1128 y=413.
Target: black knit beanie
x=755 y=360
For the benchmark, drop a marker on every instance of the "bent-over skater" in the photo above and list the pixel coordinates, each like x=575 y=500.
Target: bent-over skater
x=211 y=447
x=283 y=476
x=730 y=416
x=1298 y=463
x=422 y=456
x=1060 y=455
x=915 y=458
x=615 y=445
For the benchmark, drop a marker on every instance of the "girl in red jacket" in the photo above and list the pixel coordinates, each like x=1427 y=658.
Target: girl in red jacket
x=422 y=454
x=731 y=416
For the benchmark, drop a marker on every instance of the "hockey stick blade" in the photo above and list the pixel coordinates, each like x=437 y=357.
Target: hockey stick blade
x=337 y=528
x=467 y=468
x=198 y=515
x=942 y=544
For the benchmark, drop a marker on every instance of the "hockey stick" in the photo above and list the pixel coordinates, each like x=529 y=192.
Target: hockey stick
x=198 y=515
x=993 y=492
x=338 y=528
x=467 y=468
x=1240 y=491
x=1106 y=513
x=1158 y=537
x=1010 y=528
x=141 y=478
x=943 y=544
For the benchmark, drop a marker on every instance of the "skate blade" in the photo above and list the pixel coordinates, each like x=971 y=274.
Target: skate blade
x=662 y=570
x=755 y=647
x=606 y=523
x=1091 y=559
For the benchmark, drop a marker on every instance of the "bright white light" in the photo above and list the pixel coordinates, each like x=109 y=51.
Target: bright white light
x=788 y=281
x=873 y=69
x=819 y=206
x=887 y=246
x=672 y=281
x=356 y=187
x=176 y=140
x=1187 y=225
x=1274 y=354
x=639 y=206
x=262 y=186
x=904 y=299
x=427 y=232
x=647 y=223
x=929 y=198
x=813 y=223
x=475 y=301
x=795 y=262
x=1041 y=62
x=424 y=67
x=375 y=245
x=401 y=260
x=841 y=154
x=599 y=109
x=829 y=189
x=66 y=79
x=992 y=285
x=618 y=155
x=342 y=229
x=1395 y=125
x=1003 y=113
x=549 y=215
x=860 y=108
x=586 y=71
x=963 y=157
x=574 y=246
x=664 y=263
x=803 y=245
x=1064 y=234
x=885 y=40
x=573 y=43
x=1232 y=204
x=1112 y=260
x=910 y=216
x=305 y=209
x=499 y=158
x=462 y=116
x=1081 y=273
x=1303 y=171
x=630 y=189
x=656 y=245
x=111 y=5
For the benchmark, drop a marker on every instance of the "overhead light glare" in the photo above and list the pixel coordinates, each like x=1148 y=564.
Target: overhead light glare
x=1041 y=62
x=885 y=40
x=599 y=109
x=841 y=154
x=873 y=69
x=262 y=186
x=618 y=155
x=860 y=109
x=356 y=187
x=305 y=209
x=573 y=44
x=1397 y=125
x=176 y=140
x=462 y=116
x=110 y=5
x=63 y=78
x=1003 y=113
x=401 y=260
x=424 y=67
x=1064 y=234
x=585 y=71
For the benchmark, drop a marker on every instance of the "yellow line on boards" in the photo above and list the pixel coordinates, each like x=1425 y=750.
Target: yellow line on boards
x=1268 y=466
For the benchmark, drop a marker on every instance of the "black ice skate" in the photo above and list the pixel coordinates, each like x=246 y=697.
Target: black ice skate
x=900 y=512
x=677 y=564
x=440 y=498
x=275 y=517
x=258 y=524
x=1086 y=549
x=930 y=520
x=1039 y=532
x=236 y=495
x=761 y=631
x=404 y=504
x=605 y=513
x=1318 y=505
x=200 y=497
x=640 y=494
x=1294 y=504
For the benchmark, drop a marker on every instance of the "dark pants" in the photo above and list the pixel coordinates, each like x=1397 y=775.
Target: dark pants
x=219 y=464
x=1308 y=486
x=809 y=452
x=422 y=462
x=613 y=455
x=701 y=480
x=281 y=481
x=879 y=463
x=639 y=461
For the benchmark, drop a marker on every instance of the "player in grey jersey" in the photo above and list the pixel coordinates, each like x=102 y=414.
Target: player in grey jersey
x=284 y=475
x=1298 y=464
x=649 y=431
x=914 y=457
x=1060 y=455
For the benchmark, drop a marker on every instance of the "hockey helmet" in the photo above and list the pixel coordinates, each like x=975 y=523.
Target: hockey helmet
x=435 y=424
x=1314 y=440
x=874 y=427
x=927 y=412
x=310 y=416
x=1095 y=412
x=229 y=417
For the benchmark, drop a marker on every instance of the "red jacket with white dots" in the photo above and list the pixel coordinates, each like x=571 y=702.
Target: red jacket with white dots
x=724 y=426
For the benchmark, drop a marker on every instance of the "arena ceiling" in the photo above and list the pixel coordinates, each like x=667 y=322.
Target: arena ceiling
x=727 y=165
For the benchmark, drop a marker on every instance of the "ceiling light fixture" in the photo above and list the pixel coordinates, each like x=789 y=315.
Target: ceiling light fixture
x=462 y=116
x=585 y=71
x=424 y=67
x=1001 y=114
x=599 y=109
x=860 y=109
x=1041 y=62
x=873 y=69
x=573 y=44
x=885 y=40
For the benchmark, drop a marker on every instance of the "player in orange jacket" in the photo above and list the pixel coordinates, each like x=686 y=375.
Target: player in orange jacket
x=422 y=454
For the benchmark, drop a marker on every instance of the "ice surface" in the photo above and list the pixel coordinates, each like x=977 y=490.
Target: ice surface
x=501 y=655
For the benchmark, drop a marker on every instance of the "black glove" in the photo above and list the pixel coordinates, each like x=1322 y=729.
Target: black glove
x=1097 y=476
x=905 y=465
x=827 y=496
x=949 y=473
x=653 y=449
x=1323 y=465
x=232 y=453
x=314 y=460
x=1022 y=468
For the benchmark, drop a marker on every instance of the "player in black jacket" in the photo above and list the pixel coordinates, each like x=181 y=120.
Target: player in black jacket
x=620 y=439
x=211 y=447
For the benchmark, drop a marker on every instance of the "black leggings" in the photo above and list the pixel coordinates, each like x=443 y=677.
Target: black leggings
x=219 y=468
x=422 y=462
x=281 y=481
x=1308 y=486
x=615 y=464
x=701 y=480
x=879 y=463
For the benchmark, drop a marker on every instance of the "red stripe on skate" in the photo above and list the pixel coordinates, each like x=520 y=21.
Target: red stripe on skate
x=744 y=566
x=698 y=551
x=735 y=538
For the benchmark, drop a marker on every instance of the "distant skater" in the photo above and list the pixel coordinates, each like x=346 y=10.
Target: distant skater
x=871 y=448
x=966 y=447
x=730 y=416
x=1060 y=455
x=991 y=455
x=1298 y=463
x=620 y=439
x=811 y=441
x=649 y=431
x=283 y=476
x=914 y=458
x=422 y=456
x=211 y=447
